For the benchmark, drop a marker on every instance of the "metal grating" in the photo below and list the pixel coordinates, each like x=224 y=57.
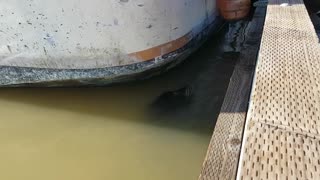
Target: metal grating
x=282 y=133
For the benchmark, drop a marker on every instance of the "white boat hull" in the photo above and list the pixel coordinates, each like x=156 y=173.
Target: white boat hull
x=44 y=41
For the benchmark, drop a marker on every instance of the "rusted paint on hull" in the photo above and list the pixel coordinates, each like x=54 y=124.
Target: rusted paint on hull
x=233 y=10
x=162 y=49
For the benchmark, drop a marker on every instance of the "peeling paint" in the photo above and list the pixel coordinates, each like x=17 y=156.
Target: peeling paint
x=115 y=22
x=50 y=39
x=9 y=48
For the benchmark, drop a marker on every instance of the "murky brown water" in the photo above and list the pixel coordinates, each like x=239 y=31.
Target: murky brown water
x=116 y=133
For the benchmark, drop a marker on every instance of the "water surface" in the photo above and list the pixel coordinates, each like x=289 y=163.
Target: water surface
x=140 y=131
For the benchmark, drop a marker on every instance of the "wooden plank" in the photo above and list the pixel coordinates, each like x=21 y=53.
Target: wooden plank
x=282 y=133
x=224 y=149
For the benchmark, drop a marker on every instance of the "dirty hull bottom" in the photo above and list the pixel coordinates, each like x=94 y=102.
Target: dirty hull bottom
x=44 y=77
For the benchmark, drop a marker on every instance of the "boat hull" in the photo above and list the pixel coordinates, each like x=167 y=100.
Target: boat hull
x=99 y=51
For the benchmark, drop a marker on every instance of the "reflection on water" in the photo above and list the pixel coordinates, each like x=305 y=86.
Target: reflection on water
x=154 y=129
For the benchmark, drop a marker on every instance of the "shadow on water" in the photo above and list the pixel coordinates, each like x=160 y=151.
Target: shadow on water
x=196 y=103
x=313 y=7
x=187 y=97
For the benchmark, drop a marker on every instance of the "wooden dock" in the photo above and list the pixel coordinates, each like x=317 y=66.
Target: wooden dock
x=224 y=150
x=281 y=136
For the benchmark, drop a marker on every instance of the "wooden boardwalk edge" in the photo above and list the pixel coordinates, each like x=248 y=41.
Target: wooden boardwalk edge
x=223 y=152
x=282 y=132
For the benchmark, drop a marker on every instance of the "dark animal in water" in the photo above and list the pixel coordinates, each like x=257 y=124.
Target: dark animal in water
x=173 y=100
